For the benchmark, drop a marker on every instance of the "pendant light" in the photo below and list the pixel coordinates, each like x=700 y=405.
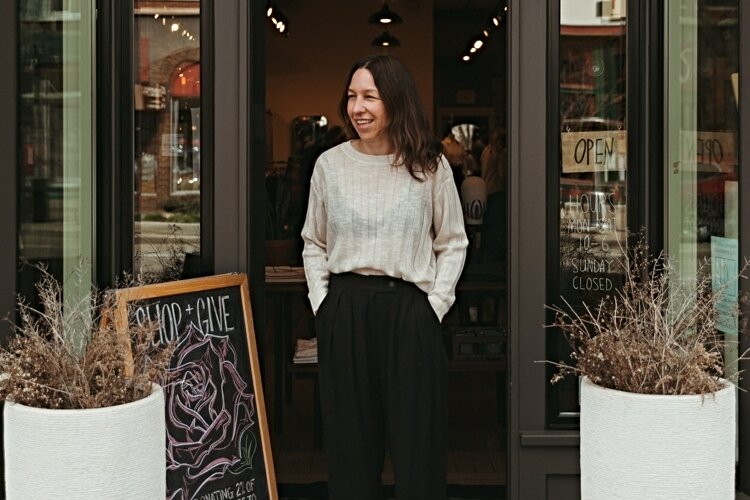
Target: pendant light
x=386 y=40
x=277 y=19
x=385 y=16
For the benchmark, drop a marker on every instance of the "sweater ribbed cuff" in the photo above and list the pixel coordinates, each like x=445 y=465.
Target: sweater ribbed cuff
x=438 y=306
x=316 y=298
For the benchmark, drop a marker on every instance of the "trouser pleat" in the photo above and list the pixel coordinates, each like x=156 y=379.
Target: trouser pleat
x=382 y=376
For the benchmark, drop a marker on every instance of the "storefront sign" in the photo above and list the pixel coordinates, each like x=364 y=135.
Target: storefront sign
x=217 y=437
x=724 y=269
x=599 y=151
x=709 y=151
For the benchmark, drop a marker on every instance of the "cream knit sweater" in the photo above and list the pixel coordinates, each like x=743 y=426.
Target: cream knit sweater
x=368 y=217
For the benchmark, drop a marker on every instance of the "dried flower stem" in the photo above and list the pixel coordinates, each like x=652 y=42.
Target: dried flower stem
x=43 y=368
x=657 y=334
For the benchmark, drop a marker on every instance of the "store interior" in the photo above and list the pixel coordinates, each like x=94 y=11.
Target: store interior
x=310 y=47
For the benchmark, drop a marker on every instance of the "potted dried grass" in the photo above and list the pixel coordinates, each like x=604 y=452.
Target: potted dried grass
x=83 y=416
x=658 y=410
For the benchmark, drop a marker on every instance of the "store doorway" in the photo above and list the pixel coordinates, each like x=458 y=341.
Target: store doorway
x=456 y=50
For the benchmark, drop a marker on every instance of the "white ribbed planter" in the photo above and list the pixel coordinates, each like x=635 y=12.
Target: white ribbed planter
x=656 y=447
x=116 y=452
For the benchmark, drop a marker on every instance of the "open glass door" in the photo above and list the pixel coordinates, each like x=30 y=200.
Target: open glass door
x=56 y=140
x=701 y=170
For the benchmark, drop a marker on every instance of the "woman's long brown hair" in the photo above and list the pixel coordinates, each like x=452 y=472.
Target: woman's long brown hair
x=415 y=146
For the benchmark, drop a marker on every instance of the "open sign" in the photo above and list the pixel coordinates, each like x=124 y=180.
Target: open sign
x=594 y=151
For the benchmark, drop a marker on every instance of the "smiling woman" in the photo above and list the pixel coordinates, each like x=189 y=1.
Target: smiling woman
x=368 y=115
x=384 y=247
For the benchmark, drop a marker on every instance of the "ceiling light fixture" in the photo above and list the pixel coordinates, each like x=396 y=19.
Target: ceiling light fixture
x=385 y=16
x=277 y=19
x=495 y=19
x=386 y=40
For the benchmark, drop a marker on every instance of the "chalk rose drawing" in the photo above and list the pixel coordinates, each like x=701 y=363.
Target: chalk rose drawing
x=210 y=411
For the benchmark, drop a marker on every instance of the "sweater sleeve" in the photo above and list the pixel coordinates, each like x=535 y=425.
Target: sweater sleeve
x=449 y=243
x=314 y=235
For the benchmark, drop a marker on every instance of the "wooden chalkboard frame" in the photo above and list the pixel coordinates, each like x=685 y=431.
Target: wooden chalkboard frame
x=124 y=297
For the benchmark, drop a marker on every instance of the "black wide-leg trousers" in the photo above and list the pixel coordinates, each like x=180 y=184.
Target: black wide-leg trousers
x=382 y=379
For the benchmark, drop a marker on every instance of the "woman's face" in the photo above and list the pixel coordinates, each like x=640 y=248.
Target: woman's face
x=367 y=112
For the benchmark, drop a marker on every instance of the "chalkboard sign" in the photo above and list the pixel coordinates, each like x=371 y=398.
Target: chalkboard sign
x=218 y=444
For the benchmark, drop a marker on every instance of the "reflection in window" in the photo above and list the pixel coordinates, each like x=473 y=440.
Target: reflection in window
x=167 y=154
x=185 y=142
x=593 y=160
x=702 y=164
x=55 y=170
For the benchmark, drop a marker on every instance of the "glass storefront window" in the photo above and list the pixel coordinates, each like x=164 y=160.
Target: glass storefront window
x=593 y=161
x=701 y=155
x=56 y=140
x=167 y=155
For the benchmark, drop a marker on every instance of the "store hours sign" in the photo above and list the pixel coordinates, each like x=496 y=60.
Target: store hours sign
x=592 y=233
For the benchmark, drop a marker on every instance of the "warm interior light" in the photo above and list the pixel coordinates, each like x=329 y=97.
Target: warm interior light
x=278 y=19
x=478 y=44
x=465 y=58
x=156 y=16
x=384 y=16
x=386 y=40
x=473 y=49
x=175 y=27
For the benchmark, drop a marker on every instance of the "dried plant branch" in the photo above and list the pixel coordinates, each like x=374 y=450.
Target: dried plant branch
x=657 y=334
x=170 y=261
x=43 y=368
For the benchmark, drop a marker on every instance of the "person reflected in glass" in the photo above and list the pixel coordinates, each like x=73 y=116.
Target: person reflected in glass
x=384 y=246
x=456 y=155
x=494 y=172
